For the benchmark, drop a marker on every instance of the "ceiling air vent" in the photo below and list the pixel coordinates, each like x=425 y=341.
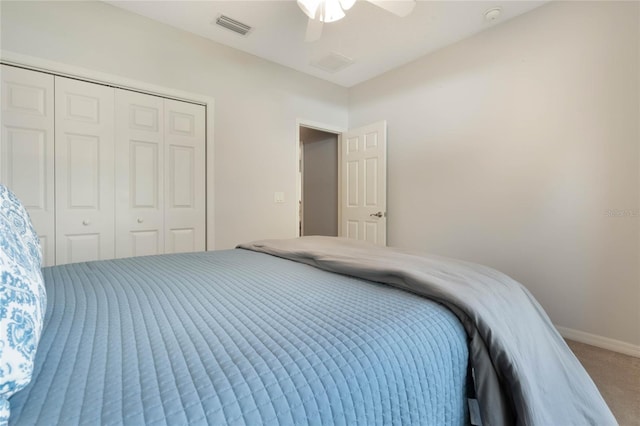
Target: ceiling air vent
x=233 y=25
x=333 y=62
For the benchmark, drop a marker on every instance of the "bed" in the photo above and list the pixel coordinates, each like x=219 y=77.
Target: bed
x=281 y=332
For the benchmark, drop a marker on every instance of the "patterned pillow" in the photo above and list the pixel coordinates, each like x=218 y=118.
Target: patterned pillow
x=22 y=298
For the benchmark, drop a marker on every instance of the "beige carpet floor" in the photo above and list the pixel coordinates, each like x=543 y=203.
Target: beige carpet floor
x=617 y=377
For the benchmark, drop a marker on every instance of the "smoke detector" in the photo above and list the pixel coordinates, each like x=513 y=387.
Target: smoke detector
x=492 y=14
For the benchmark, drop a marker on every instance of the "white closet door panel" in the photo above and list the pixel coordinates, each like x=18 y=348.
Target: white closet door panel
x=185 y=202
x=139 y=174
x=26 y=148
x=84 y=171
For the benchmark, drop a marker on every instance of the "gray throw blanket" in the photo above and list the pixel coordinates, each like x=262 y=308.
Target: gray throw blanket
x=524 y=372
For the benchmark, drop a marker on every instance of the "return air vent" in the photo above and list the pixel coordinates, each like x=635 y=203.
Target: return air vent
x=333 y=62
x=233 y=25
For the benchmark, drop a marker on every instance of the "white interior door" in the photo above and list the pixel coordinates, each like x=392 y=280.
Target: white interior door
x=139 y=165
x=26 y=148
x=363 y=184
x=184 y=176
x=84 y=171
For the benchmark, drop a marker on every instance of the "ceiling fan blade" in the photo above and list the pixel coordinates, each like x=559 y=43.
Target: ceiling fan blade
x=314 y=30
x=400 y=8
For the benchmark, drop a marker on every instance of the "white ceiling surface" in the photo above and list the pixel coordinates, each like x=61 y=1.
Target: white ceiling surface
x=376 y=40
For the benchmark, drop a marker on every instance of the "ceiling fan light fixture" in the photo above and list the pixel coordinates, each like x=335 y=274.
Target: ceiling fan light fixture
x=332 y=11
x=325 y=10
x=347 y=4
x=309 y=7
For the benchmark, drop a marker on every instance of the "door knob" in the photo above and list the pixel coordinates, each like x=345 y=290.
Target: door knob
x=86 y=222
x=379 y=214
x=140 y=220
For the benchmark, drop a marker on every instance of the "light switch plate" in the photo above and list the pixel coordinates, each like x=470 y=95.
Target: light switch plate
x=278 y=197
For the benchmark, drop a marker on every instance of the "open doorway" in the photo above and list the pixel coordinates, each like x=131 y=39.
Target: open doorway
x=318 y=182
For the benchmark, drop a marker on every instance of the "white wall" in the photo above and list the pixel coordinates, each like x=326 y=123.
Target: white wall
x=509 y=148
x=257 y=102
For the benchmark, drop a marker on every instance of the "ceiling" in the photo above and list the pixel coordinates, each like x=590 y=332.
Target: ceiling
x=374 y=39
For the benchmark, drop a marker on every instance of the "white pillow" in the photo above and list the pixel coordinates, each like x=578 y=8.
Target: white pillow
x=22 y=298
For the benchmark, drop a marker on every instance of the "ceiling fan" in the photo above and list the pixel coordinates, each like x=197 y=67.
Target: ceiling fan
x=321 y=11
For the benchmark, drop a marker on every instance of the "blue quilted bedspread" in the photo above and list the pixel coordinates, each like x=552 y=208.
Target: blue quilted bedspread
x=237 y=337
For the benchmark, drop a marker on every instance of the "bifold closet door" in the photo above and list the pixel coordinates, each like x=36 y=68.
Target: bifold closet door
x=184 y=177
x=84 y=161
x=139 y=169
x=27 y=147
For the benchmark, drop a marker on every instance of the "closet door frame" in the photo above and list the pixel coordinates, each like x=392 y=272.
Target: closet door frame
x=71 y=71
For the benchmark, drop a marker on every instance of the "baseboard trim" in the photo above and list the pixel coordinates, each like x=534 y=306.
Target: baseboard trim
x=600 y=342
